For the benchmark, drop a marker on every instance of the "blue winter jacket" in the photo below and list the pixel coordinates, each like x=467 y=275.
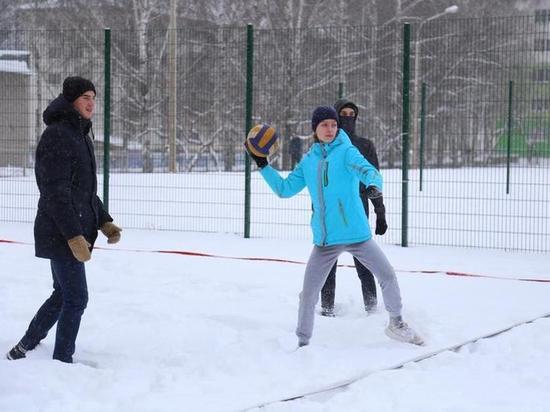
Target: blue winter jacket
x=331 y=173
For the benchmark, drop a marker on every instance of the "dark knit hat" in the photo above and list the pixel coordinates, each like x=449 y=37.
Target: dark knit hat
x=76 y=86
x=322 y=113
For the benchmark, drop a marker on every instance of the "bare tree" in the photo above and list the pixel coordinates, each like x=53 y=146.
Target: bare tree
x=303 y=50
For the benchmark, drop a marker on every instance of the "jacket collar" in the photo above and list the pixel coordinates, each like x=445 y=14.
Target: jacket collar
x=60 y=109
x=341 y=139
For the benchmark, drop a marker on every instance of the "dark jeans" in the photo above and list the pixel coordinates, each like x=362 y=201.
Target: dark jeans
x=368 y=287
x=65 y=306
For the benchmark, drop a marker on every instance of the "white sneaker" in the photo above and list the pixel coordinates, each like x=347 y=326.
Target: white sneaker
x=399 y=330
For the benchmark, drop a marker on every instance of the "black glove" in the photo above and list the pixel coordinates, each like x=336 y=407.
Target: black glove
x=261 y=162
x=381 y=225
x=373 y=192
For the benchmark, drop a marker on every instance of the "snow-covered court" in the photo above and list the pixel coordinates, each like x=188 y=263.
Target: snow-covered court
x=179 y=332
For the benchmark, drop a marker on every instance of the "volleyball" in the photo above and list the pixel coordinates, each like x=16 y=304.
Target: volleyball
x=261 y=140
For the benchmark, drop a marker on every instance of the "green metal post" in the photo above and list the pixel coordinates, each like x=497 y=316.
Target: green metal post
x=405 y=134
x=509 y=142
x=340 y=90
x=107 y=118
x=422 y=132
x=248 y=123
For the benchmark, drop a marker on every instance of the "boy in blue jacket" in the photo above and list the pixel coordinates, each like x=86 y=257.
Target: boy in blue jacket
x=331 y=171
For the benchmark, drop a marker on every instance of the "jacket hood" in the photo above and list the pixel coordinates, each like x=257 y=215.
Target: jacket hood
x=61 y=110
x=341 y=103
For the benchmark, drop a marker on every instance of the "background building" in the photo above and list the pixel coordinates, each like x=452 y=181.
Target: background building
x=16 y=109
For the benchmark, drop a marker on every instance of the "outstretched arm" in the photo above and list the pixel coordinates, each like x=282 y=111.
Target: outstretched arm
x=288 y=187
x=367 y=149
x=363 y=169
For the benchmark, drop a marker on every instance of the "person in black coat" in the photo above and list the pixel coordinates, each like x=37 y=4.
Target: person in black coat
x=68 y=217
x=347 y=112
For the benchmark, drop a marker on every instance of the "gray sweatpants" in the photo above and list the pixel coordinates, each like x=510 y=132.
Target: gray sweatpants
x=318 y=267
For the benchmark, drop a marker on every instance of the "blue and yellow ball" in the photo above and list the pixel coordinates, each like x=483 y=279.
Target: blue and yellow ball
x=261 y=140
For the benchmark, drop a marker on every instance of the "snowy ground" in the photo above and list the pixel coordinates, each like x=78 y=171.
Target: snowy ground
x=175 y=332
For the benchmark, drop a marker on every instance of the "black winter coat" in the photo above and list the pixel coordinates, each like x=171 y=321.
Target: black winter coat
x=65 y=172
x=367 y=149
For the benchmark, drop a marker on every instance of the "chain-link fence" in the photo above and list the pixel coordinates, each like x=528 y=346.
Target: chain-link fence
x=33 y=65
x=481 y=166
x=479 y=153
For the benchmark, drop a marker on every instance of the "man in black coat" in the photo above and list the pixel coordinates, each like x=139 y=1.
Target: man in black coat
x=347 y=113
x=68 y=217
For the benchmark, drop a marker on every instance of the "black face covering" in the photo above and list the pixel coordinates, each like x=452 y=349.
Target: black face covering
x=348 y=124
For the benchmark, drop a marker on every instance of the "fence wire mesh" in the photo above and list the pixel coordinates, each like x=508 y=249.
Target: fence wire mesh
x=478 y=177
x=486 y=146
x=298 y=70
x=200 y=188
x=33 y=65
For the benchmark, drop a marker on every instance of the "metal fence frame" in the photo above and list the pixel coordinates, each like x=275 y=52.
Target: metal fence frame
x=488 y=157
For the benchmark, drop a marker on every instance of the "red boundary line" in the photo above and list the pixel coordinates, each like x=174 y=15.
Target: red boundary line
x=295 y=262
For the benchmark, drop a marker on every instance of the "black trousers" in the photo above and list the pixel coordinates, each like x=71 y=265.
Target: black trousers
x=368 y=287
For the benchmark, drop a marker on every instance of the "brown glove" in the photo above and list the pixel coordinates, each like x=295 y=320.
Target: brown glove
x=80 y=248
x=112 y=232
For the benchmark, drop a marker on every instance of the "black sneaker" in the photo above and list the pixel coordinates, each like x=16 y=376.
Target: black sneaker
x=17 y=352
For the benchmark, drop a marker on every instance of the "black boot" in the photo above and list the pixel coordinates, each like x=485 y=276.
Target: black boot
x=17 y=352
x=368 y=286
x=328 y=311
x=371 y=303
x=328 y=293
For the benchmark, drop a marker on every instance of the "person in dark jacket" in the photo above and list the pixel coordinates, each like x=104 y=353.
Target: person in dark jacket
x=68 y=217
x=347 y=112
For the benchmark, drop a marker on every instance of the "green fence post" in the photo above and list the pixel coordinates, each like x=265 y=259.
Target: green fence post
x=340 y=90
x=422 y=132
x=106 y=117
x=248 y=123
x=405 y=134
x=509 y=132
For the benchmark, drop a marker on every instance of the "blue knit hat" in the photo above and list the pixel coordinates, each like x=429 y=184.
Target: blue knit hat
x=322 y=113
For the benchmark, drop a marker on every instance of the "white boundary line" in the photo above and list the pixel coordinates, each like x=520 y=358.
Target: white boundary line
x=346 y=382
